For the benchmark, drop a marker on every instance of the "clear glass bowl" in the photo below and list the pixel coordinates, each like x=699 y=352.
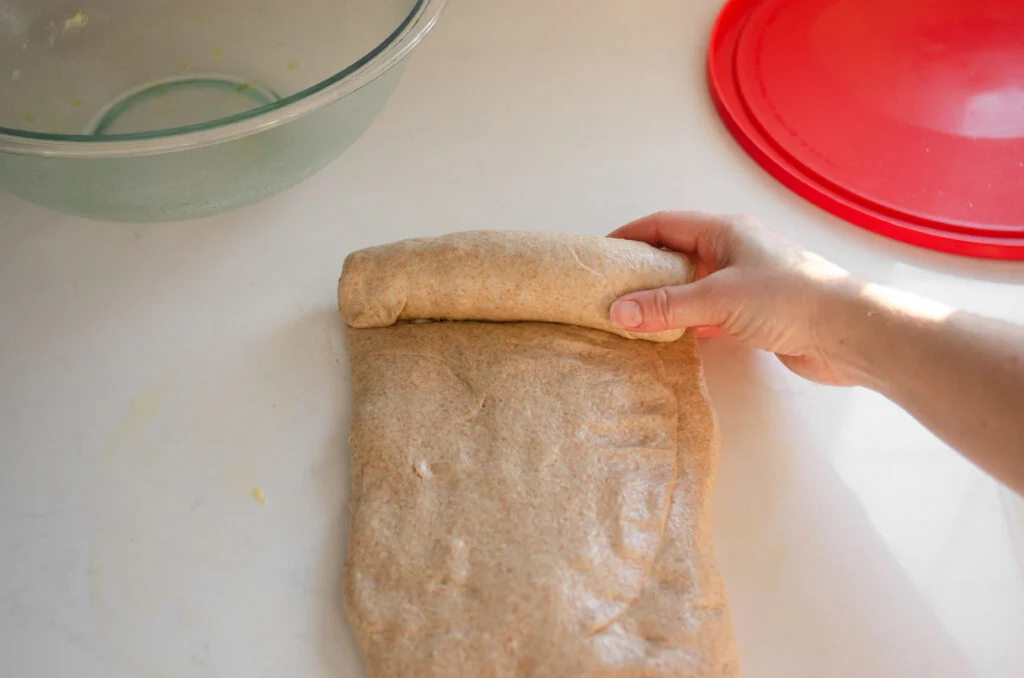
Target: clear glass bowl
x=148 y=110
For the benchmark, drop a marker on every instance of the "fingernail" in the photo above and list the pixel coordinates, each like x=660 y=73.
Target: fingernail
x=626 y=313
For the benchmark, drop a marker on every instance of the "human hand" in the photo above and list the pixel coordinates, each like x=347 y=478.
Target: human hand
x=750 y=283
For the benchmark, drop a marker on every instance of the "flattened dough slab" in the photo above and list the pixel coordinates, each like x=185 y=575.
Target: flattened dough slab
x=532 y=499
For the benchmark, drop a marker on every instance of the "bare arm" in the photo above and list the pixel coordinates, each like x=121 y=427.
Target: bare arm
x=961 y=375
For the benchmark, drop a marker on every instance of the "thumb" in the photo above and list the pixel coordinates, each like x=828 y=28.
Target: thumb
x=669 y=308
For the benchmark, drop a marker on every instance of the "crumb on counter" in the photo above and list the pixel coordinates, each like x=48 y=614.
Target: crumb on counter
x=76 y=21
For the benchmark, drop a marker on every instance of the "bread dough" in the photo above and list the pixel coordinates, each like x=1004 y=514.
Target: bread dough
x=505 y=276
x=531 y=499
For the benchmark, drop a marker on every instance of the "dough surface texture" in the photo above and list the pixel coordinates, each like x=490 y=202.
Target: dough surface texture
x=530 y=499
x=505 y=276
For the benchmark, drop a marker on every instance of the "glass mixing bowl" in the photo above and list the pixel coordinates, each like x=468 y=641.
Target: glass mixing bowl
x=147 y=110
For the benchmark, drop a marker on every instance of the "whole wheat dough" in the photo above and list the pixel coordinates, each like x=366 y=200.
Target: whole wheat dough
x=505 y=276
x=530 y=499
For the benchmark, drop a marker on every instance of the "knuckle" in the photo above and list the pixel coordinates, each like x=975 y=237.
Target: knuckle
x=742 y=222
x=662 y=307
x=714 y=300
x=664 y=218
x=739 y=234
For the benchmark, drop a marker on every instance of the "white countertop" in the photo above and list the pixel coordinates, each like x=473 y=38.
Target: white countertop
x=152 y=375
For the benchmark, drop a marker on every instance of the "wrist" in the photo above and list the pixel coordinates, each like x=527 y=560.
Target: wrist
x=851 y=325
x=875 y=329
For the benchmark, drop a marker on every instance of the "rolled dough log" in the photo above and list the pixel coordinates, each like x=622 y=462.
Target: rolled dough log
x=531 y=499
x=505 y=276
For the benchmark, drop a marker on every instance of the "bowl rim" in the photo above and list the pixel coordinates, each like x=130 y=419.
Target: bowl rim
x=395 y=47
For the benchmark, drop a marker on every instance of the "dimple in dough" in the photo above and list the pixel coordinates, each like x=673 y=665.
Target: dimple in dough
x=531 y=499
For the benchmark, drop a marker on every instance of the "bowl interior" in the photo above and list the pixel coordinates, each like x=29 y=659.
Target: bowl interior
x=112 y=67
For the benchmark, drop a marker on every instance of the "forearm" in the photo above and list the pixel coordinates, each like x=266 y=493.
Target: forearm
x=960 y=375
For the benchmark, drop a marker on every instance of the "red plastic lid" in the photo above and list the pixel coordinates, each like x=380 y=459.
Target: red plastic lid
x=906 y=118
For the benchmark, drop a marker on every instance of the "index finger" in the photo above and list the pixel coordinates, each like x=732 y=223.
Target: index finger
x=679 y=231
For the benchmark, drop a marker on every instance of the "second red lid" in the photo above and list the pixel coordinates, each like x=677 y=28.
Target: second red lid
x=910 y=111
